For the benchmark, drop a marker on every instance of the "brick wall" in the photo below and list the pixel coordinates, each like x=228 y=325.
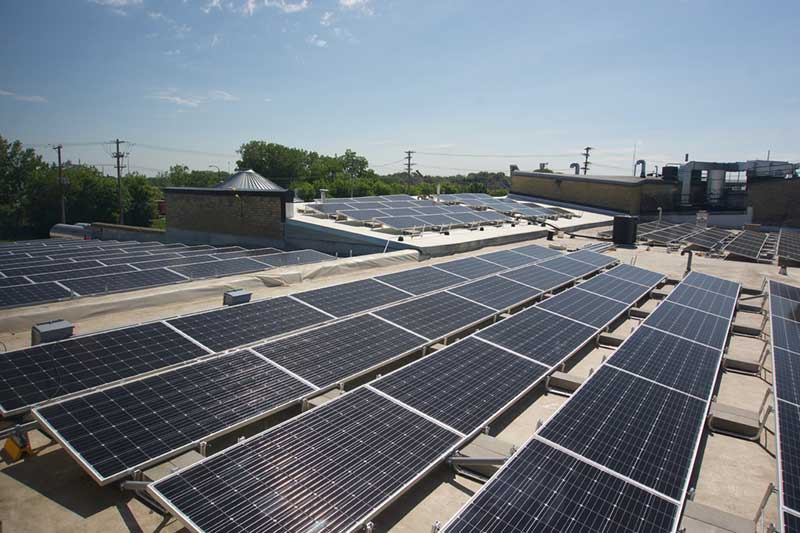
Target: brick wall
x=775 y=202
x=246 y=213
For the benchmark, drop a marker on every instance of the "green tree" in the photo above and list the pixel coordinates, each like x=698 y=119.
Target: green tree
x=140 y=208
x=17 y=167
x=276 y=162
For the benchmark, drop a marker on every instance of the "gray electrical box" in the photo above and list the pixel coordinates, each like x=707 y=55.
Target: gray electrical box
x=54 y=330
x=236 y=296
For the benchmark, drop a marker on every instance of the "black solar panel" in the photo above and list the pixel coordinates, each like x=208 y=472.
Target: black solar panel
x=36 y=293
x=789 y=245
x=634 y=274
x=786 y=334
x=263 y=484
x=48 y=371
x=585 y=307
x=15 y=280
x=126 y=427
x=496 y=292
x=435 y=316
x=466 y=217
x=401 y=222
x=787 y=375
x=141 y=258
x=536 y=251
x=791 y=523
x=710 y=302
x=470 y=267
x=540 y=335
x=54 y=267
x=363 y=214
x=616 y=288
x=536 y=276
x=713 y=284
x=85 y=273
x=634 y=427
x=421 y=280
x=789 y=436
x=335 y=352
x=348 y=298
x=783 y=308
x=508 y=258
x=565 y=265
x=464 y=384
x=159 y=263
x=785 y=291
x=123 y=282
x=690 y=323
x=441 y=221
x=593 y=258
x=747 y=244
x=221 y=329
x=669 y=360
x=302 y=257
x=542 y=489
x=215 y=269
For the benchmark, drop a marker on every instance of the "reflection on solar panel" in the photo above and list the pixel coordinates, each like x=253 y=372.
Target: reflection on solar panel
x=435 y=316
x=353 y=297
x=538 y=277
x=327 y=355
x=789 y=245
x=616 y=288
x=388 y=445
x=16 y=280
x=543 y=489
x=421 y=280
x=710 y=302
x=785 y=308
x=691 y=324
x=464 y=384
x=15 y=295
x=713 y=284
x=635 y=275
x=593 y=258
x=302 y=257
x=565 y=265
x=540 y=335
x=119 y=429
x=229 y=327
x=709 y=239
x=49 y=371
x=470 y=267
x=123 y=282
x=536 y=251
x=585 y=307
x=496 y=292
x=507 y=258
x=401 y=222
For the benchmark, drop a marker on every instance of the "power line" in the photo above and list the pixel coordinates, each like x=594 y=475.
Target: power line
x=409 y=164
x=63 y=184
x=586 y=159
x=387 y=164
x=118 y=155
x=180 y=150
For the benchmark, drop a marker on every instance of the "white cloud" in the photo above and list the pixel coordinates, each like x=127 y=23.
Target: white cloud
x=119 y=12
x=327 y=19
x=287 y=6
x=345 y=34
x=249 y=7
x=172 y=96
x=213 y=4
x=361 y=5
x=24 y=97
x=222 y=95
x=268 y=99
x=117 y=3
x=215 y=40
x=175 y=52
x=314 y=40
x=178 y=30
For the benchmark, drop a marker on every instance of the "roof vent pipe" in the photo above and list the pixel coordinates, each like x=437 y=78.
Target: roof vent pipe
x=640 y=162
x=577 y=167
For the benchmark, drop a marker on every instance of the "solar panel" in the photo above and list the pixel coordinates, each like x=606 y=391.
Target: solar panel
x=441 y=221
x=421 y=280
x=536 y=251
x=330 y=208
x=17 y=295
x=616 y=288
x=787 y=375
x=363 y=214
x=691 y=324
x=636 y=275
x=353 y=297
x=15 y=280
x=48 y=371
x=496 y=292
x=221 y=329
x=464 y=384
x=784 y=291
x=585 y=307
x=159 y=263
x=786 y=334
x=538 y=277
x=301 y=257
x=401 y=212
x=634 y=427
x=493 y=217
x=789 y=438
x=507 y=258
x=710 y=302
x=122 y=282
x=669 y=360
x=565 y=265
x=215 y=269
x=135 y=259
x=747 y=244
x=117 y=430
x=401 y=222
x=540 y=335
x=85 y=273
x=470 y=267
x=544 y=489
x=246 y=253
x=224 y=249
x=593 y=258
x=18 y=261
x=432 y=210
x=789 y=244
x=713 y=284
x=437 y=315
x=791 y=523
x=341 y=350
x=263 y=483
x=54 y=267
x=784 y=308
x=465 y=217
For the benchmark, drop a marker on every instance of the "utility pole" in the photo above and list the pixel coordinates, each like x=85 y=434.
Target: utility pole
x=586 y=159
x=409 y=164
x=118 y=156
x=63 y=183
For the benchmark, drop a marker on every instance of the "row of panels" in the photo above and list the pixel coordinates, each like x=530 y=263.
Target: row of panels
x=621 y=450
x=395 y=430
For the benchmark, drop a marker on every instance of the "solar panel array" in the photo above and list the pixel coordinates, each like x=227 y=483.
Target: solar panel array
x=34 y=272
x=618 y=455
x=709 y=239
x=318 y=358
x=784 y=306
x=670 y=233
x=505 y=206
x=789 y=244
x=356 y=464
x=747 y=244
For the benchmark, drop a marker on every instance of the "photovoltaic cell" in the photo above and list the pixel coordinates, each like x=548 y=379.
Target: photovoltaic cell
x=221 y=329
x=54 y=267
x=785 y=291
x=783 y=308
x=35 y=293
x=669 y=360
x=124 y=427
x=634 y=427
x=470 y=267
x=123 y=282
x=593 y=258
x=15 y=280
x=265 y=481
x=690 y=323
x=536 y=276
x=789 y=435
x=710 y=302
x=543 y=489
x=48 y=371
x=159 y=263
x=540 y=335
x=634 y=274
x=496 y=292
x=464 y=384
x=215 y=269
x=348 y=298
x=508 y=258
x=585 y=307
x=85 y=273
x=335 y=352
x=616 y=288
x=536 y=251
x=421 y=280
x=567 y=266
x=786 y=334
x=713 y=284
x=787 y=375
x=435 y=316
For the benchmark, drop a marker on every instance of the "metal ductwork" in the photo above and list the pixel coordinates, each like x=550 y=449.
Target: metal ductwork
x=644 y=167
x=577 y=167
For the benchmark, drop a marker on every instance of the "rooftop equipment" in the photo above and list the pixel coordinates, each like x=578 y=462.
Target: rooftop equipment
x=625 y=229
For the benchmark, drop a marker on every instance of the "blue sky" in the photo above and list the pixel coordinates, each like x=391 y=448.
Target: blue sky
x=521 y=81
